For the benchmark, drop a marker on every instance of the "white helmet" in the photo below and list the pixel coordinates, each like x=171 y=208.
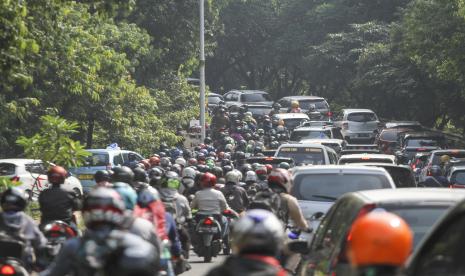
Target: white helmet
x=257 y=232
x=189 y=172
x=181 y=161
x=251 y=176
x=233 y=177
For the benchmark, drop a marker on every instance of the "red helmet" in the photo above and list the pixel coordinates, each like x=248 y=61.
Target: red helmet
x=208 y=180
x=269 y=168
x=57 y=175
x=192 y=162
x=154 y=161
x=146 y=164
x=280 y=178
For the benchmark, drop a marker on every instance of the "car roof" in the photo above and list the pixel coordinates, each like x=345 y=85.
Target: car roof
x=214 y=95
x=353 y=110
x=333 y=169
x=407 y=167
x=447 y=151
x=20 y=161
x=406 y=195
x=316 y=128
x=369 y=155
x=291 y=116
x=301 y=145
x=307 y=141
x=302 y=98
x=422 y=134
x=249 y=91
x=458 y=168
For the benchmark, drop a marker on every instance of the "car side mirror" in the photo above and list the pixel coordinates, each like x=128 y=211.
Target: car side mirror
x=299 y=246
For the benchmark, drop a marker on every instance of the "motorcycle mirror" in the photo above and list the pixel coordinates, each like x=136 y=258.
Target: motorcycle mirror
x=298 y=246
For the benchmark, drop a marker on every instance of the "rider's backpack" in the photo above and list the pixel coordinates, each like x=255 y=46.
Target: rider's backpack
x=170 y=206
x=233 y=198
x=272 y=201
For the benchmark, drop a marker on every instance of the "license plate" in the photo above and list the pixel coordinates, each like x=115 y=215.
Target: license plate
x=86 y=177
x=208 y=230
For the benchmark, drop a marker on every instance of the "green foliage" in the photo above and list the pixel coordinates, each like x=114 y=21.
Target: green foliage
x=53 y=143
x=5 y=183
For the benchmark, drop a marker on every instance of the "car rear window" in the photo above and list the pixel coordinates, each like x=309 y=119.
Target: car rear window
x=98 y=159
x=213 y=100
x=362 y=117
x=38 y=168
x=329 y=187
x=259 y=110
x=420 y=219
x=298 y=135
x=7 y=169
x=319 y=104
x=258 y=97
x=458 y=178
x=303 y=155
x=390 y=136
x=421 y=143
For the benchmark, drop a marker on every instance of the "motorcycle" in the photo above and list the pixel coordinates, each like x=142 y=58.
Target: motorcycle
x=230 y=218
x=57 y=232
x=206 y=237
x=11 y=253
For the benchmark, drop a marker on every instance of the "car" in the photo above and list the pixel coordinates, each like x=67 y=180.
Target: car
x=336 y=144
x=320 y=103
x=324 y=132
x=456 y=177
x=258 y=110
x=32 y=174
x=365 y=157
x=358 y=125
x=412 y=125
x=213 y=100
x=412 y=143
x=434 y=159
x=318 y=187
x=441 y=250
x=420 y=208
x=307 y=154
x=402 y=175
x=103 y=159
x=240 y=97
x=291 y=120
x=388 y=139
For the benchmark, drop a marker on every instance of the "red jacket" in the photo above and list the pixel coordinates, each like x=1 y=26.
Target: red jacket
x=155 y=213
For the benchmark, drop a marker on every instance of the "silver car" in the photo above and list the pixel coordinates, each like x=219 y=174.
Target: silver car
x=359 y=125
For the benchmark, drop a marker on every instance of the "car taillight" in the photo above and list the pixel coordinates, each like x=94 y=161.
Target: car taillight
x=208 y=221
x=456 y=186
x=15 y=178
x=345 y=125
x=7 y=270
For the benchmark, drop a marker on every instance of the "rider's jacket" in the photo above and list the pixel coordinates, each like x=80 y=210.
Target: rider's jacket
x=57 y=203
x=183 y=210
x=21 y=227
x=105 y=252
x=250 y=265
x=209 y=201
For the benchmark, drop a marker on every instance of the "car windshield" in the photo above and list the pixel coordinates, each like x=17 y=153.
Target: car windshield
x=298 y=135
x=329 y=187
x=458 y=178
x=98 y=159
x=293 y=123
x=303 y=155
x=419 y=218
x=214 y=99
x=362 y=117
x=7 y=169
x=319 y=104
x=255 y=97
x=421 y=143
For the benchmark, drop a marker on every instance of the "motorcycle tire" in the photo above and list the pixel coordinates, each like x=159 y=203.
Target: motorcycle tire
x=207 y=256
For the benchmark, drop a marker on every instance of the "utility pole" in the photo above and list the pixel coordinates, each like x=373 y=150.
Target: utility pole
x=202 y=70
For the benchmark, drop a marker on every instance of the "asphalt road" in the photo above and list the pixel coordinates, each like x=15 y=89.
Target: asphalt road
x=200 y=268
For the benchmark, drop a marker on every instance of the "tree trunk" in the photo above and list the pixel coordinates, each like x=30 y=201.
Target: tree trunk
x=90 y=132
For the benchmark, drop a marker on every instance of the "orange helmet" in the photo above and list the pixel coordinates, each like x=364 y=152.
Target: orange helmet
x=379 y=238
x=154 y=161
x=57 y=175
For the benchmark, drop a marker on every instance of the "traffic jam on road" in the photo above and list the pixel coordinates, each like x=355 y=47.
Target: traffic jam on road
x=317 y=170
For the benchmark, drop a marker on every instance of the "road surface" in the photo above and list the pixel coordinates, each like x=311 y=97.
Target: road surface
x=199 y=268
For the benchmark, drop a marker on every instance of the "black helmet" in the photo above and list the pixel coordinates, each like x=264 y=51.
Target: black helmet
x=13 y=199
x=239 y=155
x=103 y=206
x=227 y=169
x=218 y=172
x=276 y=106
x=207 y=140
x=165 y=162
x=140 y=175
x=155 y=175
x=122 y=174
x=202 y=168
x=102 y=175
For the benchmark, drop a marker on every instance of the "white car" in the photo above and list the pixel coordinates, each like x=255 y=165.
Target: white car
x=307 y=154
x=32 y=174
x=358 y=125
x=318 y=187
x=367 y=158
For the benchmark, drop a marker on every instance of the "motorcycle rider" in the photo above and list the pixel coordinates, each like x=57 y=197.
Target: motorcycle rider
x=276 y=109
x=102 y=178
x=235 y=195
x=257 y=238
x=17 y=225
x=122 y=178
x=56 y=203
x=105 y=249
x=379 y=244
